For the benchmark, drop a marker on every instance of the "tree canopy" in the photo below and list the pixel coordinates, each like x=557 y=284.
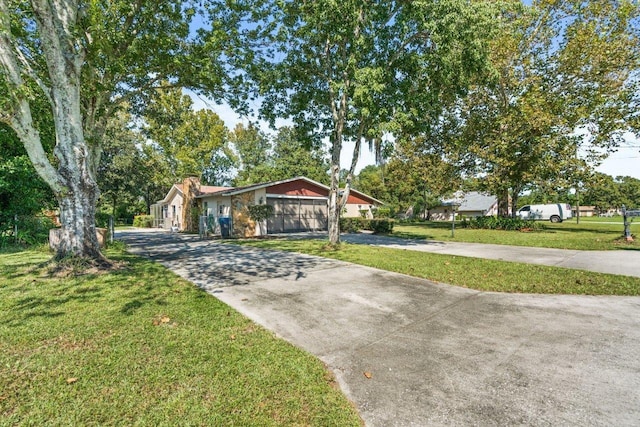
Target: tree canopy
x=563 y=93
x=356 y=70
x=194 y=143
x=87 y=59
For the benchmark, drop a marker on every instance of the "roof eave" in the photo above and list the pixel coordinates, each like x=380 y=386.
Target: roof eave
x=169 y=194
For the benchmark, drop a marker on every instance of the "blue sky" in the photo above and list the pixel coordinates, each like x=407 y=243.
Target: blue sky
x=624 y=162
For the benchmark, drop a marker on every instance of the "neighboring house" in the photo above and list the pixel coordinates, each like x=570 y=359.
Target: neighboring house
x=469 y=205
x=300 y=204
x=584 y=211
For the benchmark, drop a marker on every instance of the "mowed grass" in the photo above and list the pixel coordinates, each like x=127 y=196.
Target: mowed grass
x=474 y=273
x=588 y=235
x=141 y=346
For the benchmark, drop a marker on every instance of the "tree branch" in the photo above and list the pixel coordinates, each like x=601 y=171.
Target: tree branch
x=20 y=118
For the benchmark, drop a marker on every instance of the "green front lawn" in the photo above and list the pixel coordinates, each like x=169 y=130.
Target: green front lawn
x=474 y=273
x=588 y=235
x=141 y=346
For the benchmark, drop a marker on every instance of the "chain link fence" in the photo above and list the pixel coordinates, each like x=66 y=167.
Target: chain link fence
x=31 y=230
x=24 y=229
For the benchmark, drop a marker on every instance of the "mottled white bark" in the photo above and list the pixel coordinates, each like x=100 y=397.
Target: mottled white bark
x=71 y=180
x=334 y=208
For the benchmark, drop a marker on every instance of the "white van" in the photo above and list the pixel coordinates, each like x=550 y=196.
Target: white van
x=554 y=212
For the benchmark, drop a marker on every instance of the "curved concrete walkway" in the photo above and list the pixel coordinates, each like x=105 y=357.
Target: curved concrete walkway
x=624 y=262
x=433 y=354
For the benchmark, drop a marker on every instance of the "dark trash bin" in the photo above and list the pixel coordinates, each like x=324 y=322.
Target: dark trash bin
x=225 y=226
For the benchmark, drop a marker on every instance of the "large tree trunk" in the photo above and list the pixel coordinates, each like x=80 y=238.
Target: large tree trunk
x=71 y=178
x=79 y=194
x=77 y=215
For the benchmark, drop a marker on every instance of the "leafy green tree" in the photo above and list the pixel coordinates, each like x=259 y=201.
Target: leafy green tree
x=354 y=70
x=418 y=175
x=565 y=81
x=629 y=189
x=23 y=194
x=87 y=59
x=286 y=156
x=253 y=149
x=157 y=176
x=120 y=175
x=292 y=156
x=194 y=143
x=602 y=191
x=371 y=180
x=22 y=191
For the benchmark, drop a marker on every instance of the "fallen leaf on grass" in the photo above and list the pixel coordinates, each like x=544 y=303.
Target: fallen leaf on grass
x=71 y=380
x=161 y=320
x=233 y=337
x=368 y=375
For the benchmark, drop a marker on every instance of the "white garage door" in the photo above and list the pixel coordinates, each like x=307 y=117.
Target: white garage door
x=291 y=215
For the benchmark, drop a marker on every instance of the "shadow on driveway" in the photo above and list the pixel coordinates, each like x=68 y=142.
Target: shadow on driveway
x=212 y=265
x=410 y=352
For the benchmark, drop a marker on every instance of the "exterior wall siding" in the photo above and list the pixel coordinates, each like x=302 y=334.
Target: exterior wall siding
x=174 y=212
x=353 y=210
x=308 y=199
x=297 y=188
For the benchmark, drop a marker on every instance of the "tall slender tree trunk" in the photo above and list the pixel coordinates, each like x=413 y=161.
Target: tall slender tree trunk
x=503 y=203
x=514 y=204
x=334 y=208
x=577 y=205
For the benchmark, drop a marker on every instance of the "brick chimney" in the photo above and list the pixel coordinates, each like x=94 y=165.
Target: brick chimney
x=190 y=189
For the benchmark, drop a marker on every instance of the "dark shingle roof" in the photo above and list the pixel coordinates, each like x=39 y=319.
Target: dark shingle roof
x=472 y=201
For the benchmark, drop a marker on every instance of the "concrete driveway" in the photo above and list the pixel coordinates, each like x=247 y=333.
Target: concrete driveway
x=436 y=354
x=624 y=262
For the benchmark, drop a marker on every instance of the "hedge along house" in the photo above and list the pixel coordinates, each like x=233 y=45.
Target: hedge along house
x=299 y=204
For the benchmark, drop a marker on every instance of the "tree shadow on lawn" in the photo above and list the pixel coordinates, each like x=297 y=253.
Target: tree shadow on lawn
x=579 y=230
x=393 y=239
x=407 y=235
x=428 y=224
x=48 y=299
